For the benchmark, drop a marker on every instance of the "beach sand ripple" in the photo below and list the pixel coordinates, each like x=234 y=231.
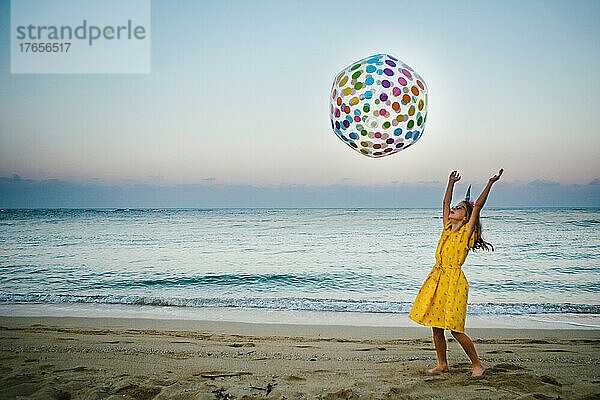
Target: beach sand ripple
x=95 y=358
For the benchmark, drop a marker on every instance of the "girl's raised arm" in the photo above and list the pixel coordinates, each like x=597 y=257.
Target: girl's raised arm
x=452 y=179
x=481 y=201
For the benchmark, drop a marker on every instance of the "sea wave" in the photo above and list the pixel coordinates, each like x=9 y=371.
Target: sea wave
x=298 y=304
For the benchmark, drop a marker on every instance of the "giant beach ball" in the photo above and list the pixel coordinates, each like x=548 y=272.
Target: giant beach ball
x=378 y=106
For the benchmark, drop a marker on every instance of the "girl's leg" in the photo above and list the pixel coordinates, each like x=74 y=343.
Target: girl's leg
x=469 y=348
x=440 y=348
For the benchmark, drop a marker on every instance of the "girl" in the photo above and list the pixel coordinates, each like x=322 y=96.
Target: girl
x=442 y=300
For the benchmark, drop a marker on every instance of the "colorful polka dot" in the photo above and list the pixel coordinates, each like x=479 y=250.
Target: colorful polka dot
x=383 y=80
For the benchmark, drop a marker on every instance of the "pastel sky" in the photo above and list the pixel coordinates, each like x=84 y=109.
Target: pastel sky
x=238 y=94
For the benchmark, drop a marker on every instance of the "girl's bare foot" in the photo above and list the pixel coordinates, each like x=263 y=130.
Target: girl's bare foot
x=478 y=370
x=438 y=369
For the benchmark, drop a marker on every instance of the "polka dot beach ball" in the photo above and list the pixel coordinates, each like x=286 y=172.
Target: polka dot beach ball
x=378 y=106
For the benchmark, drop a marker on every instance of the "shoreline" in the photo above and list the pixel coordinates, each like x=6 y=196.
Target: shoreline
x=337 y=331
x=139 y=358
x=293 y=317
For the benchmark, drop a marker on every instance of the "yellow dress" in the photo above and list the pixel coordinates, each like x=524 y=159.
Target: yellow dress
x=442 y=300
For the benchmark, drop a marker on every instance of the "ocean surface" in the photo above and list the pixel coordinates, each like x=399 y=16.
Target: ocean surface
x=546 y=260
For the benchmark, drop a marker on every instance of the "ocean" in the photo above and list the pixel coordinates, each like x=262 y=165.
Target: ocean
x=342 y=265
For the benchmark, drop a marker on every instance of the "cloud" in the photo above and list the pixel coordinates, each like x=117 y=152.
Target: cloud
x=16 y=192
x=542 y=182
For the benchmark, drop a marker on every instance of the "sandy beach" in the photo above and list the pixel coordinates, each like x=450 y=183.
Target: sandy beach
x=119 y=358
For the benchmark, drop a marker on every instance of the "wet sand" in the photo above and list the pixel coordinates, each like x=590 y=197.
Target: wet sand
x=120 y=358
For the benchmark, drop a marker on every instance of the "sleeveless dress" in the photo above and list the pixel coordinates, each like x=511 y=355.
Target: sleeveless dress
x=442 y=300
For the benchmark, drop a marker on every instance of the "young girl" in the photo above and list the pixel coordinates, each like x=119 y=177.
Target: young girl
x=442 y=300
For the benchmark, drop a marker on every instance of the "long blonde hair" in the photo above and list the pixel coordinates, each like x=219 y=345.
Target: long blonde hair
x=479 y=242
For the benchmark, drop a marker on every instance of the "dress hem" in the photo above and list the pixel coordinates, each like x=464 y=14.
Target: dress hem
x=436 y=326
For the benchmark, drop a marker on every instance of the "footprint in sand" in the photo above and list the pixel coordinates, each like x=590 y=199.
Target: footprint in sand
x=79 y=368
x=554 y=351
x=247 y=344
x=219 y=374
x=177 y=356
x=371 y=348
x=512 y=377
x=138 y=392
x=550 y=380
x=345 y=394
x=294 y=378
x=505 y=367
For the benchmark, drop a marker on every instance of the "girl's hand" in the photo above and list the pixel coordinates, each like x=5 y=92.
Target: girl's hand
x=454 y=177
x=497 y=176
